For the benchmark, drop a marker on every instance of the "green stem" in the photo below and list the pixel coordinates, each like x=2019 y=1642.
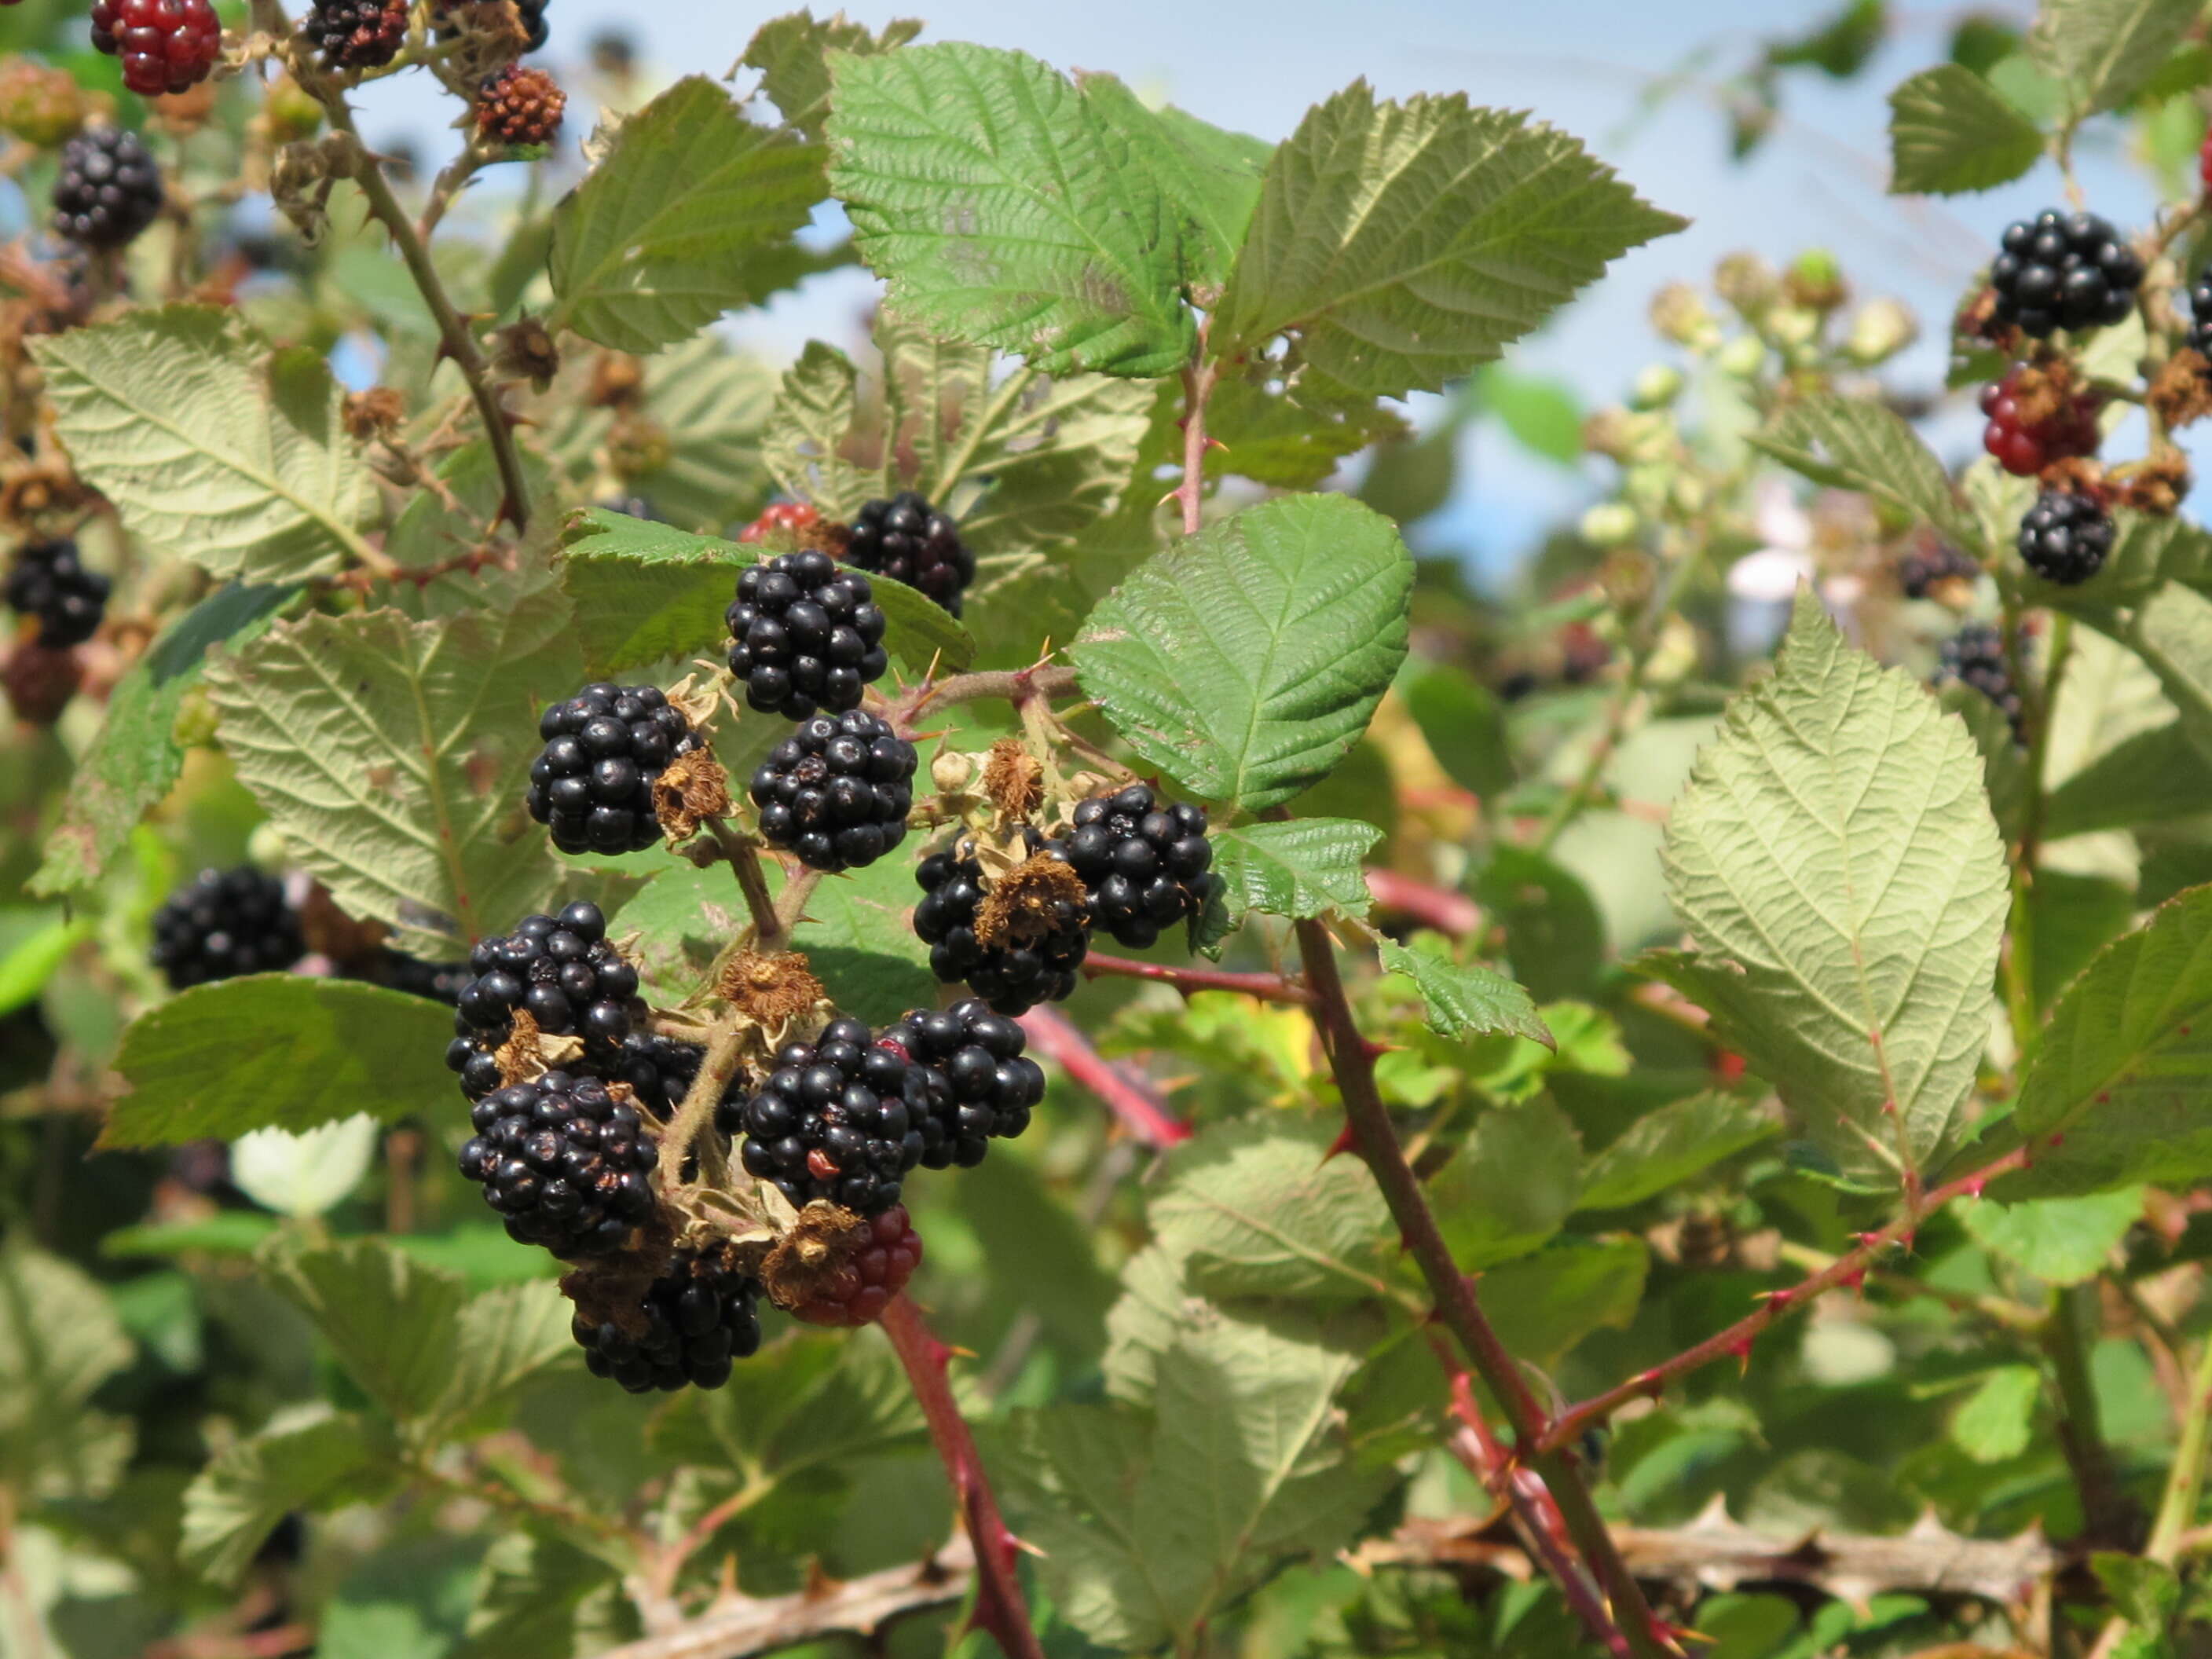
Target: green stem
x=2185 y=1485
x=2105 y=1506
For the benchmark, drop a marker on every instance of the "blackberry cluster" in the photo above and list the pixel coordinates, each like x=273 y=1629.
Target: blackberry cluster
x=698 y=1317
x=839 y=1119
x=806 y=635
x=49 y=581
x=979 y=1085
x=224 y=923
x=1975 y=656
x=108 y=191
x=356 y=34
x=2024 y=449
x=1147 y=866
x=1011 y=977
x=166 y=46
x=520 y=106
x=910 y=541
x=1927 y=565
x=837 y=792
x=563 y=971
x=564 y=1162
x=2065 y=270
x=2065 y=538
x=593 y=787
x=797 y=517
x=859 y=1292
x=2199 y=339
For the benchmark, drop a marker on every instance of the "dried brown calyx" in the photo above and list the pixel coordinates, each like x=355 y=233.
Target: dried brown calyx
x=1026 y=904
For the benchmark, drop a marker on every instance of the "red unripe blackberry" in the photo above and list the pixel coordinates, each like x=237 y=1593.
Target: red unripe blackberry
x=224 y=923
x=2024 y=449
x=356 y=34
x=804 y=636
x=565 y=1164
x=2065 y=538
x=910 y=541
x=108 y=189
x=1145 y=866
x=859 y=1292
x=166 y=46
x=796 y=516
x=2063 y=271
x=1012 y=978
x=837 y=792
x=838 y=1119
x=2204 y=165
x=697 y=1318
x=605 y=747
x=565 y=973
x=980 y=1087
x=1975 y=656
x=48 y=581
x=39 y=681
x=520 y=106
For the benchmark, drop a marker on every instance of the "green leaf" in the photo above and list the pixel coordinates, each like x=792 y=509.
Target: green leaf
x=1001 y=208
x=1543 y=1304
x=2115 y=1094
x=1404 y=244
x=238 y=1499
x=135 y=759
x=715 y=404
x=1851 y=443
x=60 y=1341
x=209 y=442
x=505 y=1336
x=1512 y=1184
x=394 y=756
x=1949 y=132
x=33 y=943
x=2060 y=1241
x=816 y=408
x=1543 y=416
x=2004 y=762
x=408 y=1600
x=1995 y=1422
x=1210 y=177
x=1835 y=860
x=394 y=1323
x=860 y=936
x=1258 y=1207
x=654 y=244
x=792 y=55
x=1245 y=661
x=1665 y=1148
x=2145 y=1591
x=2105 y=50
x=1554 y=936
x=527 y=1601
x=1040 y=1255
x=1457 y=715
x=2174 y=635
x=1466 y=999
x=2148 y=553
x=276 y=1051
x=1306 y=867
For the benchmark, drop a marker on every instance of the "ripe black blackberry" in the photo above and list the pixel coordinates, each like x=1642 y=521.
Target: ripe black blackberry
x=2199 y=337
x=838 y=1119
x=837 y=792
x=910 y=541
x=166 y=46
x=2065 y=538
x=567 y=1165
x=563 y=971
x=978 y=1085
x=661 y=1070
x=804 y=636
x=108 y=191
x=47 y=581
x=356 y=34
x=698 y=1316
x=1929 y=563
x=2065 y=270
x=1975 y=656
x=592 y=785
x=223 y=923
x=1147 y=867
x=1012 y=976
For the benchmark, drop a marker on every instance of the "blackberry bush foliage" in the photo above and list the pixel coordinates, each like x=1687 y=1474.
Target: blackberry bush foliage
x=1668 y=954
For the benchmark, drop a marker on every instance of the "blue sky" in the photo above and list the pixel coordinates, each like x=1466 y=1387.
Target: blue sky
x=1581 y=65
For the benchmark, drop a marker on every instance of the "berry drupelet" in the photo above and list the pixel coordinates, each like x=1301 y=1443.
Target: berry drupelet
x=108 y=189
x=1011 y=977
x=48 y=581
x=564 y=1162
x=166 y=46
x=859 y=1292
x=979 y=1085
x=696 y=1319
x=353 y=35
x=837 y=1119
x=2025 y=450
x=806 y=635
x=224 y=923
x=910 y=541
x=2065 y=538
x=562 y=971
x=1147 y=866
x=592 y=785
x=2065 y=270
x=837 y=792
x=1975 y=656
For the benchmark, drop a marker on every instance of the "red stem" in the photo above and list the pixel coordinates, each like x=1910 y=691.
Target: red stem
x=1000 y=1607
x=1140 y=1110
x=1268 y=988
x=1433 y=907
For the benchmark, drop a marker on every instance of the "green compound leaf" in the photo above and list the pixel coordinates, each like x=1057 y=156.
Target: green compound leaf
x=2060 y=1241
x=276 y=1051
x=1211 y=176
x=1467 y=998
x=135 y=759
x=210 y=443
x=792 y=55
x=1306 y=867
x=394 y=756
x=1001 y=208
x=2107 y=50
x=1246 y=660
x=2172 y=634
x=816 y=409
x=1950 y=131
x=1408 y=243
x=392 y=1321
x=1849 y=443
x=2115 y=1095
x=1993 y=1423
x=654 y=244
x=1836 y=862
x=1665 y=1148
x=235 y=1503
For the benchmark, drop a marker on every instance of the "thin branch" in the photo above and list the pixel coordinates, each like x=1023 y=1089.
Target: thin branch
x=1136 y=1107
x=1198 y=379
x=1433 y=907
x=1268 y=988
x=1000 y=1609
x=2110 y=1517
x=2184 y=1485
x=752 y=880
x=719 y=1066
x=1043 y=680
